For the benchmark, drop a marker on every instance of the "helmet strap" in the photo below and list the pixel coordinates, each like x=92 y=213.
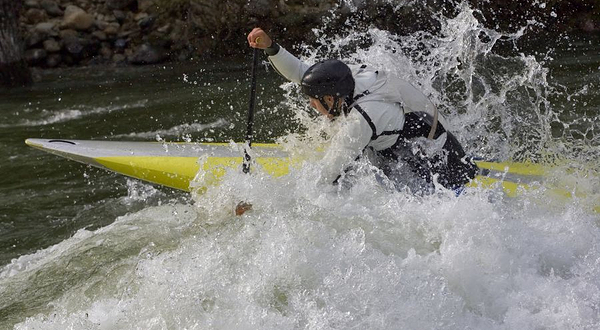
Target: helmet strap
x=335 y=109
x=346 y=105
x=323 y=103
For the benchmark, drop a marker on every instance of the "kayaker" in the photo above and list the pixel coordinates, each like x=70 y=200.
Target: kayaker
x=384 y=118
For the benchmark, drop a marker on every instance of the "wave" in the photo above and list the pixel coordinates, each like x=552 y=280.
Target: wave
x=176 y=131
x=307 y=258
x=49 y=117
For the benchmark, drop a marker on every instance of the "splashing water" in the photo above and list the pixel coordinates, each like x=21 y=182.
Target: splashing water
x=362 y=258
x=311 y=259
x=53 y=117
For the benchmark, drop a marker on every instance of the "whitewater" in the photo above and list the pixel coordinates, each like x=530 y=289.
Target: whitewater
x=359 y=257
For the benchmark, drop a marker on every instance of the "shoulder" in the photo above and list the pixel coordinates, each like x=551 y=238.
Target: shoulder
x=361 y=69
x=364 y=77
x=377 y=107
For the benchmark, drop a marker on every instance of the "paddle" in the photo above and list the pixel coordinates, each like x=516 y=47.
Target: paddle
x=242 y=207
x=250 y=122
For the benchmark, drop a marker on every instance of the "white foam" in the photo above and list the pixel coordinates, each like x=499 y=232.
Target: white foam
x=179 y=130
x=48 y=117
x=362 y=258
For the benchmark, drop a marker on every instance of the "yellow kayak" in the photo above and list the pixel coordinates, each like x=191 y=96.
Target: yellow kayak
x=176 y=165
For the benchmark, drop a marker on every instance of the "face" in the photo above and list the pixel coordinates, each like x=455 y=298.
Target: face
x=319 y=107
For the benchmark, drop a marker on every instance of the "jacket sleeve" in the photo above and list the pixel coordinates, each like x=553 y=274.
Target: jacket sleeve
x=288 y=65
x=346 y=145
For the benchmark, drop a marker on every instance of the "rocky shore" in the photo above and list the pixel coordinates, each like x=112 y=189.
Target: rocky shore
x=85 y=32
x=65 y=33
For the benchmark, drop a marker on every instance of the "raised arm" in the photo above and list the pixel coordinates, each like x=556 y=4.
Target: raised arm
x=257 y=38
x=289 y=66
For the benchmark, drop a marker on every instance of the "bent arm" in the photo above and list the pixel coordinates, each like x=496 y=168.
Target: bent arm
x=288 y=65
x=285 y=63
x=346 y=146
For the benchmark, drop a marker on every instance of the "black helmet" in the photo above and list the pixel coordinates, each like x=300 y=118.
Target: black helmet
x=329 y=77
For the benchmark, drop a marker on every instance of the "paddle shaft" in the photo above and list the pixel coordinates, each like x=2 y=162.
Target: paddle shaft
x=250 y=123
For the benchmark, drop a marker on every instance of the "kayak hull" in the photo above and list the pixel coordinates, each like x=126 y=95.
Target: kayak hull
x=175 y=165
x=169 y=164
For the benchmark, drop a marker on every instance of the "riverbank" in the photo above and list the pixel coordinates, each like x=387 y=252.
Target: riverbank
x=120 y=32
x=84 y=32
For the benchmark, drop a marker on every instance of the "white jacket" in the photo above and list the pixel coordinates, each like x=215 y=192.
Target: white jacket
x=382 y=110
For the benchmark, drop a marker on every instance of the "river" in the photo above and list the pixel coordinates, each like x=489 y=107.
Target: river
x=81 y=248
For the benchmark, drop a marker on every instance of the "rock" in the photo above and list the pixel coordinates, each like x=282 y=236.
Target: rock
x=120 y=4
x=129 y=34
x=164 y=29
x=81 y=49
x=178 y=31
x=68 y=34
x=46 y=28
x=112 y=29
x=68 y=59
x=106 y=52
x=260 y=8
x=100 y=35
x=128 y=29
x=76 y=18
x=146 y=23
x=83 y=4
x=95 y=60
x=51 y=46
x=121 y=44
x=35 y=15
x=148 y=54
x=32 y=4
x=118 y=58
x=35 y=56
x=158 y=39
x=33 y=38
x=119 y=16
x=140 y=16
x=53 y=60
x=51 y=8
x=101 y=25
x=75 y=46
x=145 y=5
x=110 y=18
